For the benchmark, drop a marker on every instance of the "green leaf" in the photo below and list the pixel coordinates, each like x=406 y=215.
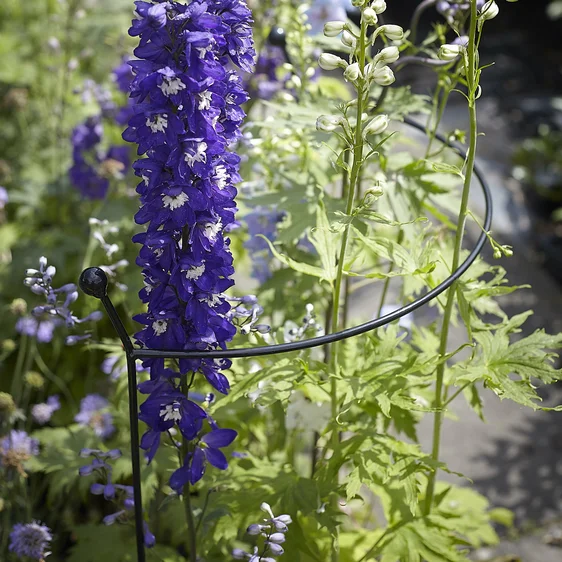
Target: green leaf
x=325 y=242
x=301 y=267
x=422 y=539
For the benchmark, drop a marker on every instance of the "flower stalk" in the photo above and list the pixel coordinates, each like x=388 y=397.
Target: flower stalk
x=472 y=74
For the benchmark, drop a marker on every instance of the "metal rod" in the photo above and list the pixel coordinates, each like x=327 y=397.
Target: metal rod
x=93 y=281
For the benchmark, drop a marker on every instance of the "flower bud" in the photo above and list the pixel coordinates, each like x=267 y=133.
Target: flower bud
x=450 y=52
x=34 y=379
x=348 y=39
x=383 y=76
x=370 y=16
x=7 y=405
x=388 y=55
x=352 y=72
x=277 y=538
x=377 y=125
x=328 y=61
x=18 y=307
x=379 y=6
x=489 y=11
x=392 y=32
x=275 y=549
x=333 y=28
x=327 y=123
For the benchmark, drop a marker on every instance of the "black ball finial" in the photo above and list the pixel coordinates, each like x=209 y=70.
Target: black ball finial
x=277 y=37
x=93 y=281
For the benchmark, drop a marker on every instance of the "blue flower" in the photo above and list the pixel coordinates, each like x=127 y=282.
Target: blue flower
x=17 y=448
x=92 y=414
x=187 y=113
x=208 y=449
x=20 y=444
x=30 y=539
x=43 y=412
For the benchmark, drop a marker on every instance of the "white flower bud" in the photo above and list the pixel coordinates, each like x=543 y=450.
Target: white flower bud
x=43 y=262
x=392 y=32
x=383 y=76
x=333 y=28
x=377 y=125
x=489 y=11
x=379 y=6
x=348 y=39
x=328 y=61
x=450 y=52
x=370 y=16
x=328 y=123
x=388 y=55
x=352 y=72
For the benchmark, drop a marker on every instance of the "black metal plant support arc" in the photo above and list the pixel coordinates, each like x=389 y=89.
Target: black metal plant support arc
x=93 y=282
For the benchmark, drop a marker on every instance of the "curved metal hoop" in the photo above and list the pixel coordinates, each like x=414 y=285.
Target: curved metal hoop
x=137 y=353
x=93 y=282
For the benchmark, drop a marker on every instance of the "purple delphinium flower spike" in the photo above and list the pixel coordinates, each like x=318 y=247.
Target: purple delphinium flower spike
x=31 y=540
x=187 y=114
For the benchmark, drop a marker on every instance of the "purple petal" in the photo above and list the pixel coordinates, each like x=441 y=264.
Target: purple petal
x=219 y=438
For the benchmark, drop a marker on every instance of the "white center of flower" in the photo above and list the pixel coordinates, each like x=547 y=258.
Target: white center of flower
x=148 y=287
x=175 y=201
x=221 y=176
x=158 y=252
x=159 y=327
x=204 y=50
x=205 y=99
x=171 y=412
x=230 y=99
x=195 y=271
x=171 y=86
x=158 y=123
x=199 y=156
x=211 y=300
x=146 y=179
x=212 y=229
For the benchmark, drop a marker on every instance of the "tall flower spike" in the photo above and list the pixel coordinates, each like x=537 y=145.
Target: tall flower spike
x=187 y=114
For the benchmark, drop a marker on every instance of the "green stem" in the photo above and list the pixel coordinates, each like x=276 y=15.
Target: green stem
x=353 y=182
x=472 y=80
x=186 y=496
x=18 y=374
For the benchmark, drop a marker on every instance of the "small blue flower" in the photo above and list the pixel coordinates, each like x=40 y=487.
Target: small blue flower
x=43 y=412
x=92 y=414
x=207 y=450
x=30 y=539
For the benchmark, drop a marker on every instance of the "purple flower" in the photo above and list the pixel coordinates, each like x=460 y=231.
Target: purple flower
x=19 y=443
x=123 y=76
x=31 y=540
x=4 y=198
x=92 y=414
x=207 y=450
x=46 y=317
x=186 y=116
x=17 y=448
x=43 y=330
x=261 y=220
x=453 y=9
x=91 y=167
x=264 y=83
x=43 y=412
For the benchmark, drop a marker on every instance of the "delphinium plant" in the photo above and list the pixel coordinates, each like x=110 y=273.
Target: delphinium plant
x=344 y=215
